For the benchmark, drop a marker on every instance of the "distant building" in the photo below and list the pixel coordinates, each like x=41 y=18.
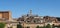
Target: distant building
x=32 y=21
x=5 y=15
x=28 y=20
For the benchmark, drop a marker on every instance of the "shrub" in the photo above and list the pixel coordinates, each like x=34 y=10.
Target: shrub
x=19 y=26
x=2 y=25
x=48 y=26
x=37 y=27
x=28 y=27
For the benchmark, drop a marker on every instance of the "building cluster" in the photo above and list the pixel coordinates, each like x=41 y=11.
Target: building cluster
x=28 y=20
x=6 y=17
x=32 y=21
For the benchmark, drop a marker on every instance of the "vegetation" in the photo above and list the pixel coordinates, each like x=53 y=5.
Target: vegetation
x=28 y=27
x=37 y=27
x=53 y=26
x=48 y=26
x=2 y=25
x=19 y=26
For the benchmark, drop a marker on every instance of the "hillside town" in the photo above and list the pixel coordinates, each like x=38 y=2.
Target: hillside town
x=28 y=20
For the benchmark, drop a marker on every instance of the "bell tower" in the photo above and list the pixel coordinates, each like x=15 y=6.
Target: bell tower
x=30 y=12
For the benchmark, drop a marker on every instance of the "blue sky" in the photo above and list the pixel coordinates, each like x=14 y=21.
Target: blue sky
x=40 y=7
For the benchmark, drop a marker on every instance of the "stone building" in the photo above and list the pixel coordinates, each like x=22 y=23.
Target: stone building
x=5 y=15
x=32 y=21
x=28 y=20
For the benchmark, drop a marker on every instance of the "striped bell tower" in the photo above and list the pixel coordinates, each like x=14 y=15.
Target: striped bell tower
x=30 y=12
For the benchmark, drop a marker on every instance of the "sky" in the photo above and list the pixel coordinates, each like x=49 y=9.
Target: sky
x=39 y=7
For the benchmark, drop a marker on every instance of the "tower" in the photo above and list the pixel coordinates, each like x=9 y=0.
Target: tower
x=30 y=12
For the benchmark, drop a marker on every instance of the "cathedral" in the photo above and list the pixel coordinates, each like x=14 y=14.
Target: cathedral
x=32 y=21
x=29 y=20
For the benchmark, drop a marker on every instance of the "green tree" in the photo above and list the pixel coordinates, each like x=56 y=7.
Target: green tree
x=19 y=26
x=53 y=26
x=28 y=27
x=2 y=25
x=44 y=27
x=48 y=26
x=40 y=27
x=37 y=27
